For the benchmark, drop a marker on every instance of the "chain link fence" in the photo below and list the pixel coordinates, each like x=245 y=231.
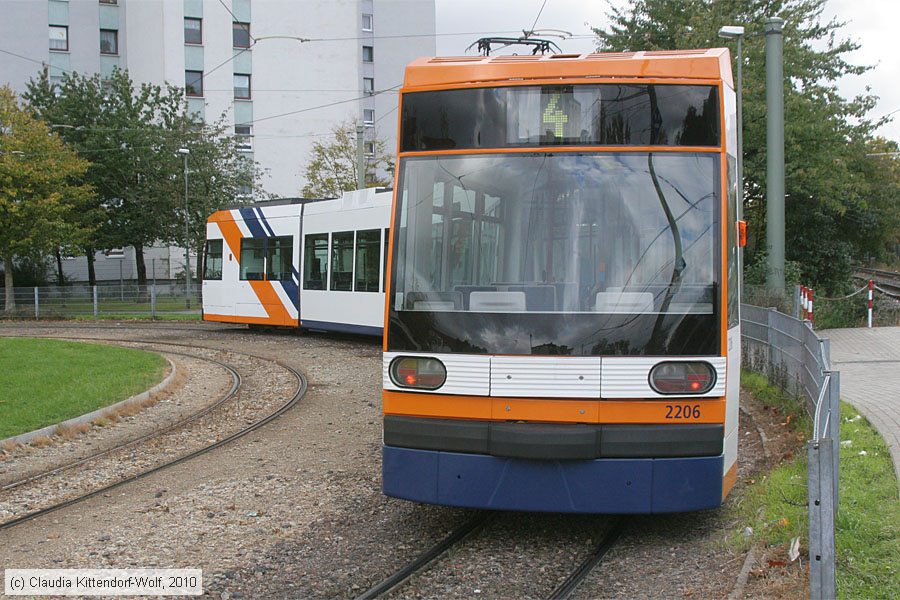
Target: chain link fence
x=115 y=300
x=789 y=353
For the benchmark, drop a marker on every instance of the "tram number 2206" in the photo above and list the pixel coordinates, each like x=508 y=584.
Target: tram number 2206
x=682 y=411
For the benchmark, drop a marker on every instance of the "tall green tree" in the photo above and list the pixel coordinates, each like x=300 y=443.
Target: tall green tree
x=131 y=132
x=40 y=193
x=832 y=215
x=332 y=167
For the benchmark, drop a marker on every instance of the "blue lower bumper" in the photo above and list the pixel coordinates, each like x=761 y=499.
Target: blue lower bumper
x=639 y=485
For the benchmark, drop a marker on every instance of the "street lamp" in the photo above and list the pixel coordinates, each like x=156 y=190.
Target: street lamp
x=187 y=233
x=736 y=32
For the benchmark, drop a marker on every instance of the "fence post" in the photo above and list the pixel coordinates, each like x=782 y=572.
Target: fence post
x=153 y=302
x=96 y=306
x=37 y=304
x=834 y=400
x=797 y=299
x=821 y=522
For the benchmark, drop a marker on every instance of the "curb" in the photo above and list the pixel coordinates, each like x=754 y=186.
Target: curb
x=24 y=438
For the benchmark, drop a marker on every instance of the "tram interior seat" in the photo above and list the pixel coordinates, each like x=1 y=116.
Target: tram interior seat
x=540 y=297
x=623 y=302
x=466 y=290
x=497 y=301
x=433 y=301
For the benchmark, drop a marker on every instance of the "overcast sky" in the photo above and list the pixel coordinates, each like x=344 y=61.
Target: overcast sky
x=460 y=22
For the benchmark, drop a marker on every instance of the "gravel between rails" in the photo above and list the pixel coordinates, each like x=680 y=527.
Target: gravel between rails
x=265 y=386
x=295 y=509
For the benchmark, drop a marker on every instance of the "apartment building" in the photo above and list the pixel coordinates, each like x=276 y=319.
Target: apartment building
x=282 y=72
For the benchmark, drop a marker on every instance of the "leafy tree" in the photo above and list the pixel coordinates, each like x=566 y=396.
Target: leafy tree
x=132 y=133
x=332 y=169
x=833 y=214
x=39 y=193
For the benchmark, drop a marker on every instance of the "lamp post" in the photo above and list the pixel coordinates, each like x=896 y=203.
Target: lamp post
x=187 y=233
x=736 y=32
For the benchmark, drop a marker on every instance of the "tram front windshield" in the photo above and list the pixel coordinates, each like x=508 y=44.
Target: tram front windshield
x=557 y=253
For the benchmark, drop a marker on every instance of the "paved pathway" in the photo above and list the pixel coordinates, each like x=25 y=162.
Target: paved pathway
x=869 y=362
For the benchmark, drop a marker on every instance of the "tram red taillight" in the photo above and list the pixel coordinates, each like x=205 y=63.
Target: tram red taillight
x=682 y=377
x=420 y=373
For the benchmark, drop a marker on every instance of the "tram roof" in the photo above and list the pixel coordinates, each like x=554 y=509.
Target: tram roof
x=711 y=63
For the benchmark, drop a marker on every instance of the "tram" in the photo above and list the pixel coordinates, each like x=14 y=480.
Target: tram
x=562 y=328
x=254 y=253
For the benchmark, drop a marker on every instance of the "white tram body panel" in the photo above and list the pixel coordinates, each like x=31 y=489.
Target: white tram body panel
x=255 y=261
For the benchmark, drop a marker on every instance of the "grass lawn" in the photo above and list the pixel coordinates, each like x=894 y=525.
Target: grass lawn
x=867 y=528
x=43 y=382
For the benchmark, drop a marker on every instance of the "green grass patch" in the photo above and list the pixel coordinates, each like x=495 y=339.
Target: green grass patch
x=867 y=534
x=43 y=382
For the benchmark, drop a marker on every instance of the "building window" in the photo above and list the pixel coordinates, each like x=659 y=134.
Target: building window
x=59 y=37
x=109 y=1
x=193 y=31
x=240 y=34
x=369 y=117
x=109 y=41
x=368 y=54
x=370 y=149
x=244 y=138
x=367 y=22
x=242 y=86
x=369 y=85
x=193 y=83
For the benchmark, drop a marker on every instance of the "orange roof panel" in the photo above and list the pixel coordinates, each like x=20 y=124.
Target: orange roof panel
x=712 y=63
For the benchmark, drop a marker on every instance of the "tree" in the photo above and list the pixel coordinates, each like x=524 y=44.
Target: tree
x=831 y=213
x=39 y=190
x=332 y=168
x=132 y=133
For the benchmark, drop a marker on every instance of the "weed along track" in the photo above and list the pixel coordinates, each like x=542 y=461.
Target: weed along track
x=261 y=389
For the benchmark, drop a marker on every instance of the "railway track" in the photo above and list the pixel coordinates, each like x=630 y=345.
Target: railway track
x=473 y=525
x=888 y=280
x=236 y=386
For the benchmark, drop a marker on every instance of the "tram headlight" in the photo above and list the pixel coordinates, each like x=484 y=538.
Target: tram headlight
x=682 y=377
x=418 y=373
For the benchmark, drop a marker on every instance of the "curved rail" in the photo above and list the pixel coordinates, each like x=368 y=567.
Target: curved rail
x=232 y=392
x=298 y=395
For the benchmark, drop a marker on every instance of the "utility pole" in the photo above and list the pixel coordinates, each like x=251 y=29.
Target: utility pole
x=360 y=158
x=775 y=153
x=187 y=234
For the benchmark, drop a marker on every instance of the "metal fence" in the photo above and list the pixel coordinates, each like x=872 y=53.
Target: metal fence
x=792 y=356
x=128 y=300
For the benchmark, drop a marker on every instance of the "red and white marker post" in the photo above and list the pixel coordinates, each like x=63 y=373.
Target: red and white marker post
x=871 y=299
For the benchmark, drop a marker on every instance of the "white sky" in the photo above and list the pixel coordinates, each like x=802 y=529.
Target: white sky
x=868 y=23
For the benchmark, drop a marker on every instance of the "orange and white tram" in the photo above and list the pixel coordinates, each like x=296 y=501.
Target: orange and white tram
x=312 y=264
x=561 y=328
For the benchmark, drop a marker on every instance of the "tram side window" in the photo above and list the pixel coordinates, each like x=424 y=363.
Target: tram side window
x=279 y=255
x=253 y=252
x=342 y=261
x=368 y=250
x=733 y=270
x=384 y=257
x=315 y=265
x=213 y=262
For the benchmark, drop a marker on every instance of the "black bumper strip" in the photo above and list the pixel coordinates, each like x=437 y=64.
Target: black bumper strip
x=543 y=441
